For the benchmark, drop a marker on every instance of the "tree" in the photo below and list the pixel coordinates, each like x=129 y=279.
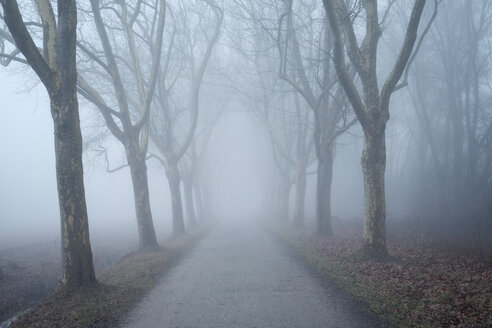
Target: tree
x=56 y=68
x=451 y=99
x=372 y=106
x=162 y=130
x=191 y=167
x=320 y=90
x=142 y=27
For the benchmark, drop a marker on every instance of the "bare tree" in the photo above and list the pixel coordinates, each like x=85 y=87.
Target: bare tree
x=372 y=106
x=191 y=167
x=163 y=130
x=126 y=109
x=451 y=97
x=308 y=69
x=56 y=68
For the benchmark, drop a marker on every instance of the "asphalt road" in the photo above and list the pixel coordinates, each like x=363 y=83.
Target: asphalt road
x=238 y=276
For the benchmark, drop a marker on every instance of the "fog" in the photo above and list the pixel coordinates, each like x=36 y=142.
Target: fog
x=29 y=203
x=186 y=134
x=194 y=113
x=239 y=163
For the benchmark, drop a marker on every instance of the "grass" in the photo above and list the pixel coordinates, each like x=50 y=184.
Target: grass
x=118 y=290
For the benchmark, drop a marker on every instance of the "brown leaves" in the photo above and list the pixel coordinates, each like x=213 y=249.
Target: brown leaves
x=418 y=286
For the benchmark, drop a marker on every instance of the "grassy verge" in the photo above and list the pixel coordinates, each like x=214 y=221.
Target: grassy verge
x=414 y=288
x=118 y=290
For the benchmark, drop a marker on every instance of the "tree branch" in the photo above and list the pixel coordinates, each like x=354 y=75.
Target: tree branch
x=26 y=45
x=403 y=57
x=339 y=59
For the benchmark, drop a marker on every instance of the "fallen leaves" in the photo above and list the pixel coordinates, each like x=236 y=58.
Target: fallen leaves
x=417 y=287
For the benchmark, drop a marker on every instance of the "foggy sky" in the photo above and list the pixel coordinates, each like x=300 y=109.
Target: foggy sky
x=28 y=197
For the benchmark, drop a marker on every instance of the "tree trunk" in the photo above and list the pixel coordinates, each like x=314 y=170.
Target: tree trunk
x=200 y=214
x=77 y=268
x=283 y=202
x=190 y=206
x=300 y=193
x=323 y=190
x=138 y=171
x=174 y=181
x=373 y=166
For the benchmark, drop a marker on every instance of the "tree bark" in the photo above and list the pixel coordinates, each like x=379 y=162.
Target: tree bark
x=283 y=203
x=189 y=201
x=200 y=213
x=78 y=269
x=323 y=190
x=77 y=266
x=299 y=206
x=138 y=171
x=373 y=167
x=174 y=181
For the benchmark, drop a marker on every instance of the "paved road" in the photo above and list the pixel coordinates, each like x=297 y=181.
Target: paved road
x=238 y=276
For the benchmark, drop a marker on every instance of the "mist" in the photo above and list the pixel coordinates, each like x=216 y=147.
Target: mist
x=360 y=131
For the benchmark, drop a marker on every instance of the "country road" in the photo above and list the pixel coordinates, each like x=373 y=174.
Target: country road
x=239 y=276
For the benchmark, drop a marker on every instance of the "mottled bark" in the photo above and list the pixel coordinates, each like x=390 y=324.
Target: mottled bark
x=77 y=264
x=174 y=181
x=373 y=166
x=138 y=172
x=78 y=268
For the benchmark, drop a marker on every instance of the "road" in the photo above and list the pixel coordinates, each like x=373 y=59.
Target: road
x=239 y=276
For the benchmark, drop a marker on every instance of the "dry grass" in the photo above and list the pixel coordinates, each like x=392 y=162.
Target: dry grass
x=118 y=290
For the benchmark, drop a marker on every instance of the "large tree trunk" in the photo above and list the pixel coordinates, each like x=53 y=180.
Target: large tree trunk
x=373 y=166
x=323 y=190
x=138 y=171
x=174 y=181
x=77 y=265
x=190 y=206
x=78 y=269
x=300 y=193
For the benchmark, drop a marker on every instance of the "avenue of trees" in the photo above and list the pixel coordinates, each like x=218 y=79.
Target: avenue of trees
x=161 y=74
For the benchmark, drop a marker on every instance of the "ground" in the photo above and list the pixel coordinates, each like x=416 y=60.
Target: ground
x=120 y=287
x=30 y=273
x=424 y=282
x=240 y=276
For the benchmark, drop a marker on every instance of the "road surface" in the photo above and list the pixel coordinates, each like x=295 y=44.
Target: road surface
x=239 y=276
